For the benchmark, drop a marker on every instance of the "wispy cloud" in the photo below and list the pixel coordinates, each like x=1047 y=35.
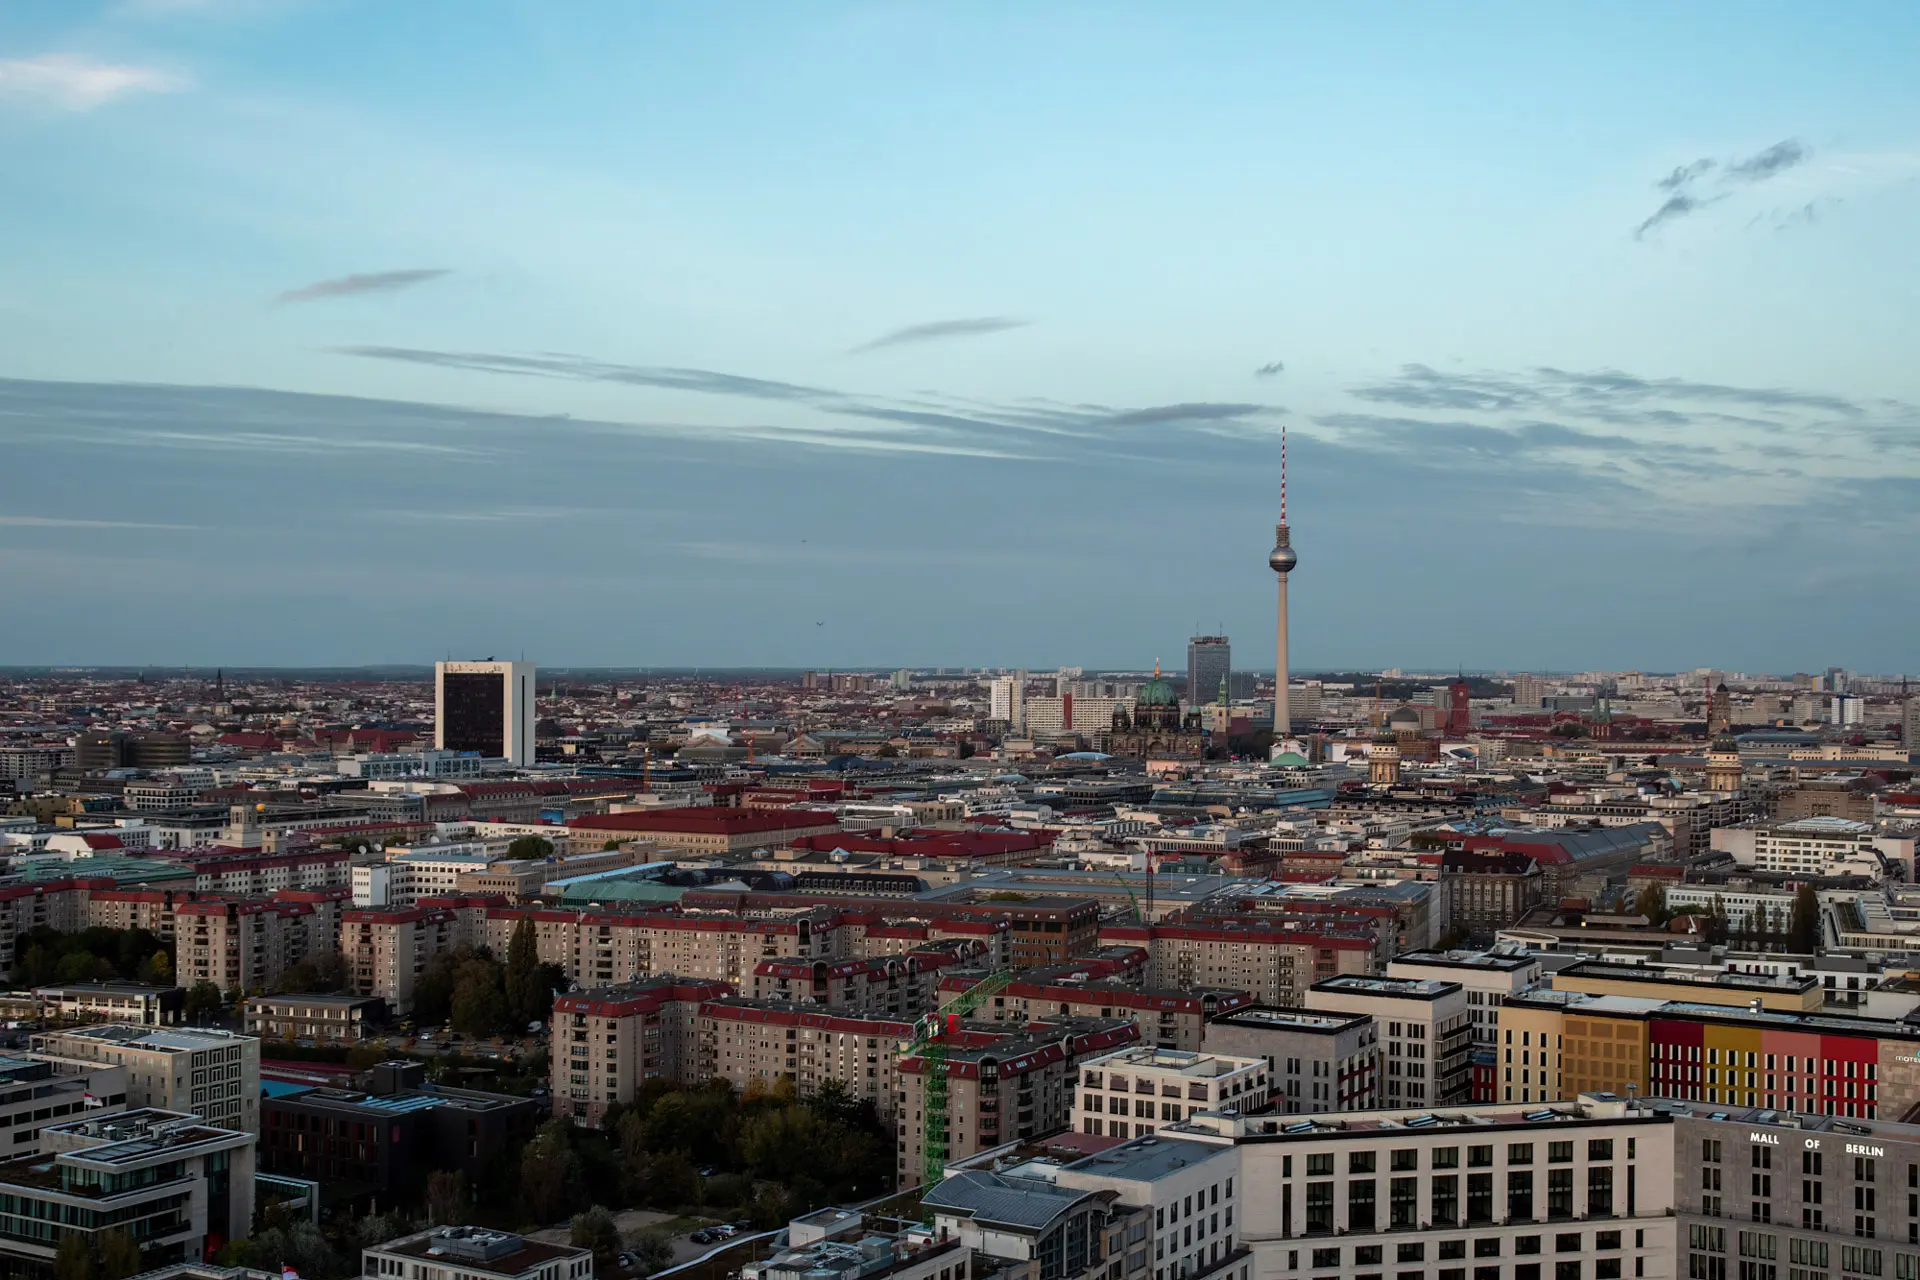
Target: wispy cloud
x=1270 y=369
x=355 y=285
x=65 y=522
x=1778 y=158
x=928 y=423
x=937 y=330
x=1692 y=187
x=69 y=82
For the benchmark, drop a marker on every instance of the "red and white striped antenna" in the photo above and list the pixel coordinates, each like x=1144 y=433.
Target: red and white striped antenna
x=1283 y=473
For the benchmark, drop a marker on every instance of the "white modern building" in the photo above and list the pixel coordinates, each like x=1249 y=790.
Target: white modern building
x=1425 y=1033
x=1821 y=846
x=1487 y=976
x=485 y=708
x=1136 y=1090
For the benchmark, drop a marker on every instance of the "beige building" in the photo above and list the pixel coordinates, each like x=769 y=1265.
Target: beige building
x=212 y=1074
x=609 y=1042
x=1166 y=1018
x=387 y=948
x=745 y=1041
x=601 y=948
x=1274 y=961
x=1136 y=1091
x=244 y=946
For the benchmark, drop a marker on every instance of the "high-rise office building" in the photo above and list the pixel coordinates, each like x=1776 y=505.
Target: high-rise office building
x=1209 y=661
x=485 y=707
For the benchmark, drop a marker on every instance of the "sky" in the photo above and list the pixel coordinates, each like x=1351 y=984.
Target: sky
x=915 y=335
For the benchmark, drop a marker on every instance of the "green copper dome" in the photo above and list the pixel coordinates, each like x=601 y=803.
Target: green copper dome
x=1157 y=692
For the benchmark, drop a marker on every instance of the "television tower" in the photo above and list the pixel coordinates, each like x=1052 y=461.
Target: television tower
x=1282 y=560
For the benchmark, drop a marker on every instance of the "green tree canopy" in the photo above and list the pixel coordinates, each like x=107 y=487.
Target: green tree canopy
x=531 y=847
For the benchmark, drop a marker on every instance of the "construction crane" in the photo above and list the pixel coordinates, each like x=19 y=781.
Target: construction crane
x=930 y=1046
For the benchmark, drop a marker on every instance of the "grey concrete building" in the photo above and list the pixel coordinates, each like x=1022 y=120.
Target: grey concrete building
x=1317 y=1062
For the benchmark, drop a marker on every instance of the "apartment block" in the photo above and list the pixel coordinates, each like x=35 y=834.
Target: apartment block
x=1425 y=1034
x=1271 y=959
x=604 y=948
x=1316 y=1062
x=896 y=987
x=210 y=1073
x=609 y=1042
x=1166 y=1018
x=1003 y=1091
x=745 y=1041
x=242 y=946
x=387 y=948
x=1136 y=1091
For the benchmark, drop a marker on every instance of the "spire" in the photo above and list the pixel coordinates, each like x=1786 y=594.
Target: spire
x=1283 y=473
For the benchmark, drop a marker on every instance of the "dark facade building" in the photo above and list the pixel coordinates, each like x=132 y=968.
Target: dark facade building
x=391 y=1137
x=1209 y=664
x=117 y=750
x=1488 y=890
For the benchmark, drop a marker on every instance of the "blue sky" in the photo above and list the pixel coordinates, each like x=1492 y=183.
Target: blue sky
x=860 y=334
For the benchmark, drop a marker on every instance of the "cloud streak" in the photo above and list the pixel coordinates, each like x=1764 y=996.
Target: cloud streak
x=939 y=331
x=68 y=82
x=1270 y=369
x=63 y=522
x=359 y=285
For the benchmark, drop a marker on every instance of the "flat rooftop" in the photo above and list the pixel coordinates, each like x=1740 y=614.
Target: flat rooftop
x=1466 y=960
x=1274 y=1017
x=1391 y=988
x=1146 y=1159
x=1185 y=1062
x=167 y=1039
x=511 y=1255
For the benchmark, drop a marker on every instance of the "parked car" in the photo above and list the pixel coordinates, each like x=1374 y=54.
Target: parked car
x=703 y=1236
x=726 y=1231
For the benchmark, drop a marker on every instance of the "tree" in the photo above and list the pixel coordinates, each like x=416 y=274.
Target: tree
x=594 y=1229
x=447 y=1198
x=1652 y=903
x=526 y=1000
x=203 y=1001
x=609 y=845
x=116 y=1256
x=653 y=1250
x=547 y=1171
x=158 y=970
x=1803 y=928
x=533 y=848
x=1718 y=927
x=71 y=1261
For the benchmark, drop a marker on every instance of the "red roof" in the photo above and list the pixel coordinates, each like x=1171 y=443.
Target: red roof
x=709 y=821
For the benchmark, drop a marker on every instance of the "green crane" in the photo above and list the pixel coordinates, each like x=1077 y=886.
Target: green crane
x=931 y=1048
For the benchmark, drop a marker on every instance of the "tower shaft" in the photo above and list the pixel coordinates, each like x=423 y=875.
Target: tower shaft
x=1282 y=715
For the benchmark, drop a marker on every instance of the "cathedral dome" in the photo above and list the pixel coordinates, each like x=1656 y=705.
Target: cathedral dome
x=1157 y=692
